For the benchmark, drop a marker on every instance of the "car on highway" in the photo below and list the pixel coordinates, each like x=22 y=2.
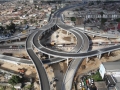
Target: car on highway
x=13 y=46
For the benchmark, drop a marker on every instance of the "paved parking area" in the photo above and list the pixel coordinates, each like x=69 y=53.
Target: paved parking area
x=101 y=85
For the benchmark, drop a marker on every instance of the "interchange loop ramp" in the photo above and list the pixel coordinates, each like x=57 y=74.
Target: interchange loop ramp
x=33 y=40
x=72 y=68
x=80 y=51
x=35 y=59
x=43 y=80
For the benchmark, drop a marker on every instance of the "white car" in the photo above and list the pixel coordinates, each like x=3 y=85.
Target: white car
x=10 y=47
x=80 y=84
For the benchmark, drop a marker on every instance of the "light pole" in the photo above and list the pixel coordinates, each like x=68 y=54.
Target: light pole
x=18 y=48
x=84 y=24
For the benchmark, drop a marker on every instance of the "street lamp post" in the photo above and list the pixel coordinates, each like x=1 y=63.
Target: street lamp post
x=18 y=48
x=84 y=24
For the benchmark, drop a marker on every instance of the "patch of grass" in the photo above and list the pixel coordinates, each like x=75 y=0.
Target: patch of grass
x=73 y=19
x=96 y=76
x=2 y=87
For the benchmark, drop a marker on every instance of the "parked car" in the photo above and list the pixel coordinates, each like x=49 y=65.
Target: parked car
x=80 y=84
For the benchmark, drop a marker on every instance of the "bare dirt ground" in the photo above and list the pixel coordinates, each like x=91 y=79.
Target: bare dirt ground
x=63 y=37
x=56 y=70
x=16 y=53
x=94 y=63
x=30 y=71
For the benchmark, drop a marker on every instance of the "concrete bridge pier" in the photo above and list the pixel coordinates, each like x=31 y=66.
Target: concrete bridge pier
x=49 y=56
x=7 y=41
x=67 y=33
x=39 y=56
x=19 y=39
x=87 y=60
x=67 y=62
x=29 y=31
x=108 y=53
x=55 y=27
x=43 y=33
x=107 y=38
x=48 y=30
x=99 y=56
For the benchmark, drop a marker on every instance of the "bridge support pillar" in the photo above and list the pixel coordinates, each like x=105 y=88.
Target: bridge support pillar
x=108 y=53
x=67 y=33
x=87 y=60
x=107 y=38
x=39 y=56
x=49 y=56
x=29 y=31
x=10 y=41
x=93 y=36
x=43 y=33
x=19 y=39
x=48 y=31
x=99 y=56
x=55 y=27
x=33 y=47
x=67 y=62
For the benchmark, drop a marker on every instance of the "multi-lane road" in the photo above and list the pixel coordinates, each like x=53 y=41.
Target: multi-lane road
x=81 y=47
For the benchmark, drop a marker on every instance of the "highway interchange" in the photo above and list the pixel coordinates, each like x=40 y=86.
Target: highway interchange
x=56 y=20
x=79 y=52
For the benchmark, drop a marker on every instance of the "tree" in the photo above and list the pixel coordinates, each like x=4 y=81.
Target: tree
x=103 y=20
x=31 y=20
x=12 y=26
x=1 y=28
x=28 y=87
x=2 y=87
x=81 y=8
x=20 y=23
x=25 y=21
x=101 y=13
x=117 y=20
x=91 y=3
x=98 y=2
x=73 y=19
x=14 y=80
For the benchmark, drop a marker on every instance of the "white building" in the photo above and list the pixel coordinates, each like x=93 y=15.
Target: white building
x=110 y=71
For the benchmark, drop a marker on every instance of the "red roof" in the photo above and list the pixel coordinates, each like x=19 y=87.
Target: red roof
x=113 y=28
x=118 y=27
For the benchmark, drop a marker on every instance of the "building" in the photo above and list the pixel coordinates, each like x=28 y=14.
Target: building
x=31 y=1
x=110 y=72
x=118 y=27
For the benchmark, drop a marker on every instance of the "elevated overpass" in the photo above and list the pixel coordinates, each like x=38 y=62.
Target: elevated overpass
x=56 y=20
x=79 y=52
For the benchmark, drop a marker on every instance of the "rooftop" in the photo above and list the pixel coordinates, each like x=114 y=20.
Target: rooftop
x=112 y=66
